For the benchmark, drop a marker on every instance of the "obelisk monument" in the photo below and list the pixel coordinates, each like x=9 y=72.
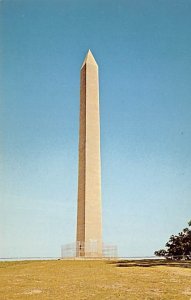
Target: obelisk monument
x=89 y=216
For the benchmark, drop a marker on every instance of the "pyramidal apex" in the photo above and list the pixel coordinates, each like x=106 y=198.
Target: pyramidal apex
x=89 y=59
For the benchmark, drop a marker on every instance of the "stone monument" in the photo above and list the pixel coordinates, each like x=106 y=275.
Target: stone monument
x=89 y=216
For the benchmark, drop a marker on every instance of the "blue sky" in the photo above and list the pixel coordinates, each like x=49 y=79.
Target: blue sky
x=143 y=49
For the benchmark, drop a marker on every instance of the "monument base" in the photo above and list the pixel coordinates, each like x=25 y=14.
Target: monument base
x=88 y=251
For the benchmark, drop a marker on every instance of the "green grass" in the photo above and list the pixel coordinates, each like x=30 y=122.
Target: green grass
x=99 y=280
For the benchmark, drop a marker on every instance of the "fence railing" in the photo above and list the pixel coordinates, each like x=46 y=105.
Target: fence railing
x=88 y=249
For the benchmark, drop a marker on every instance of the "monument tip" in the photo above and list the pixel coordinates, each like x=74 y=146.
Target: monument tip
x=89 y=59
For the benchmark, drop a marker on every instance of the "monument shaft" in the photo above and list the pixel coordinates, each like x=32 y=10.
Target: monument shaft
x=89 y=227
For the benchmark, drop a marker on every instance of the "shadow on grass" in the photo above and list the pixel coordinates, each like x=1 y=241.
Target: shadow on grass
x=152 y=263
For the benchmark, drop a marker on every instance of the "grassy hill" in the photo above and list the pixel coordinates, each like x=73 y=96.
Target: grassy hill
x=76 y=280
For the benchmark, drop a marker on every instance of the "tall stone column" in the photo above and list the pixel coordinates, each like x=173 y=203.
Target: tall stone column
x=89 y=216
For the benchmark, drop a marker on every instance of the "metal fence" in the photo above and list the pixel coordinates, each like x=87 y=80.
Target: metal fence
x=90 y=248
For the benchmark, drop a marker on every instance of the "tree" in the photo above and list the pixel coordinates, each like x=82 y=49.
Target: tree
x=179 y=246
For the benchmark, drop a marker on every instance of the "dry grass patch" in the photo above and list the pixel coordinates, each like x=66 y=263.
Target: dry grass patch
x=78 y=280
